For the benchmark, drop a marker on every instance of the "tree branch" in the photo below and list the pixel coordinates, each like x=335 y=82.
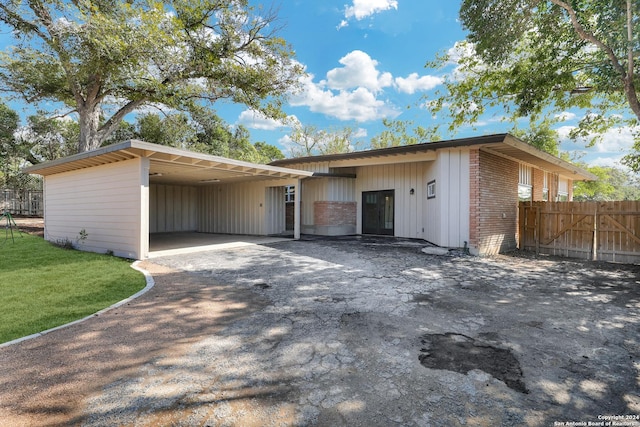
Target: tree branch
x=114 y=121
x=626 y=75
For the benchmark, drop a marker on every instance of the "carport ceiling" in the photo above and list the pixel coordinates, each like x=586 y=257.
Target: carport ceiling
x=171 y=166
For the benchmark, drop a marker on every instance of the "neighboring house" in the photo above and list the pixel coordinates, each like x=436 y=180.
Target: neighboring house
x=458 y=193
x=454 y=193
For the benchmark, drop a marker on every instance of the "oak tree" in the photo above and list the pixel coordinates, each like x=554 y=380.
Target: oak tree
x=104 y=59
x=542 y=57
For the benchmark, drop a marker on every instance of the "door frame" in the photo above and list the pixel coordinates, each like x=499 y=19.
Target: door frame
x=380 y=202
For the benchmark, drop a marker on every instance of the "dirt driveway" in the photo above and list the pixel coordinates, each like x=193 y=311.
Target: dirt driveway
x=343 y=332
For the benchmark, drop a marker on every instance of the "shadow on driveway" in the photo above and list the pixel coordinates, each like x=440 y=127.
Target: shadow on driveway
x=343 y=332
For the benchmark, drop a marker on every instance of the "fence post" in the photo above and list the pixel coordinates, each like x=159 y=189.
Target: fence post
x=538 y=229
x=594 y=256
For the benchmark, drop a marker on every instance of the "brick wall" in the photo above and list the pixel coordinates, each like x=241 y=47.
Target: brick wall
x=494 y=203
x=538 y=184
x=334 y=213
x=474 y=198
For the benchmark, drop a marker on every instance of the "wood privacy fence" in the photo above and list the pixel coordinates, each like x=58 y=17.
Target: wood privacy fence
x=607 y=231
x=21 y=202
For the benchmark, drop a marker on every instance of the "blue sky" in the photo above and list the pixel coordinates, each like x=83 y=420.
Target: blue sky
x=365 y=61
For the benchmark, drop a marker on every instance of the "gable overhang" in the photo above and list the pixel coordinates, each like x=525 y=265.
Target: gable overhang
x=168 y=165
x=503 y=145
x=514 y=149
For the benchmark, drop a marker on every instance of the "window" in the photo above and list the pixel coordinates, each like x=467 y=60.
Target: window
x=431 y=189
x=563 y=190
x=289 y=193
x=545 y=187
x=525 y=189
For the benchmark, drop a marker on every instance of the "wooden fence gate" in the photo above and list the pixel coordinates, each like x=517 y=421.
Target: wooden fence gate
x=607 y=231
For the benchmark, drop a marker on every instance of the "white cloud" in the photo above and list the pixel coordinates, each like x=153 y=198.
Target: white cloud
x=360 y=133
x=565 y=116
x=359 y=71
x=363 y=8
x=608 y=162
x=414 y=83
x=256 y=120
x=347 y=98
x=614 y=141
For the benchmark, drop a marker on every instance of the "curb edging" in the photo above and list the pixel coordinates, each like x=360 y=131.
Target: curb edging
x=150 y=284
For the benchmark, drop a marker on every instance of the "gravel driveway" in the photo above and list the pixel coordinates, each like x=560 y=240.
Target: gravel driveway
x=358 y=332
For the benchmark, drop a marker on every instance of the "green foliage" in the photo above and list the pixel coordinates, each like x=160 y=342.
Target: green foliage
x=99 y=55
x=532 y=58
x=204 y=132
x=541 y=136
x=44 y=286
x=268 y=152
x=311 y=141
x=612 y=184
x=397 y=133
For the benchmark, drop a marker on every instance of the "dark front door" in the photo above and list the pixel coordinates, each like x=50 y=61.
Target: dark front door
x=377 y=212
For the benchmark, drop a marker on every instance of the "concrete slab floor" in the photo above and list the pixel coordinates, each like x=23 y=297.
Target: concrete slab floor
x=165 y=244
x=344 y=332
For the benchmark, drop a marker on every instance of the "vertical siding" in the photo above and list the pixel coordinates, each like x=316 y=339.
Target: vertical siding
x=340 y=190
x=244 y=208
x=172 y=208
x=312 y=190
x=409 y=215
x=452 y=198
x=275 y=220
x=107 y=201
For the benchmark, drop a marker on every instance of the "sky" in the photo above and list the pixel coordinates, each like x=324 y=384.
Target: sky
x=365 y=61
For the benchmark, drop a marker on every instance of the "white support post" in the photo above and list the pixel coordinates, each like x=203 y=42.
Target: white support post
x=296 y=208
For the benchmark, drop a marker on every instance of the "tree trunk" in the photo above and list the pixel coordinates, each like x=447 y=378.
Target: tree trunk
x=89 y=120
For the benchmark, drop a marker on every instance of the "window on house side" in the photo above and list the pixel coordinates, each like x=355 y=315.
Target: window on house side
x=525 y=189
x=563 y=190
x=289 y=193
x=431 y=189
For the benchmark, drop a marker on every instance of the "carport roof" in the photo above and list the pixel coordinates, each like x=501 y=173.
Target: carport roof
x=503 y=145
x=170 y=165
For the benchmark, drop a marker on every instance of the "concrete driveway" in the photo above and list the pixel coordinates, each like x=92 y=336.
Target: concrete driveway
x=357 y=332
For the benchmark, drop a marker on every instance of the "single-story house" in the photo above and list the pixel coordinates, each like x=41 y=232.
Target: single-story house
x=457 y=193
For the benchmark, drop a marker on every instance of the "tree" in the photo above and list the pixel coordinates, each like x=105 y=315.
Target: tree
x=104 y=59
x=44 y=139
x=174 y=130
x=537 y=57
x=270 y=153
x=541 y=136
x=310 y=141
x=9 y=121
x=204 y=132
x=612 y=184
x=396 y=134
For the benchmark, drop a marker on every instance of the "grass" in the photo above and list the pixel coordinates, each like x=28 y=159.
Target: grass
x=43 y=286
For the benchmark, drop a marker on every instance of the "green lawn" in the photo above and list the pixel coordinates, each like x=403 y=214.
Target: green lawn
x=43 y=286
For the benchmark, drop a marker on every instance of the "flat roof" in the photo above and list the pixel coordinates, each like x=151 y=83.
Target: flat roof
x=170 y=165
x=503 y=144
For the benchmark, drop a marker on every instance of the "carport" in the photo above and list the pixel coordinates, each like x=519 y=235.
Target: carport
x=118 y=195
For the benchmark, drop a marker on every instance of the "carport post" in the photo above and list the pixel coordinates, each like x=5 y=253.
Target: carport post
x=296 y=209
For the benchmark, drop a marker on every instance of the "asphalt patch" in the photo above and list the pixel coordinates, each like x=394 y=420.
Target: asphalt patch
x=460 y=353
